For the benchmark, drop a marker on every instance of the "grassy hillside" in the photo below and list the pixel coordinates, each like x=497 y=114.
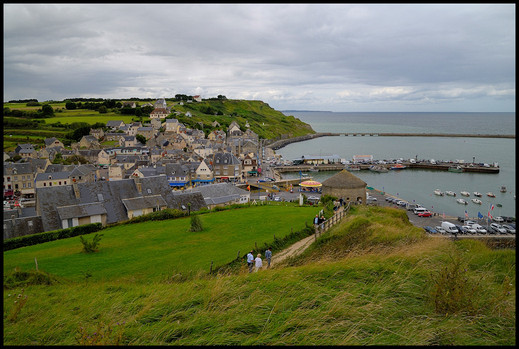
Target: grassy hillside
x=374 y=279
x=265 y=121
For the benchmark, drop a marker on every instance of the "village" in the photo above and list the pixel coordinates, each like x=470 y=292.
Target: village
x=171 y=170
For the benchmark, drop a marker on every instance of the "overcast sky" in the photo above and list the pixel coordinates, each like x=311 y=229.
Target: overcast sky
x=336 y=57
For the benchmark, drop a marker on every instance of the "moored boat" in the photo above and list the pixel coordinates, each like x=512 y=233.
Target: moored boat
x=477 y=194
x=438 y=192
x=461 y=201
x=451 y=193
x=353 y=168
x=380 y=169
x=465 y=193
x=490 y=194
x=456 y=169
x=398 y=167
x=503 y=189
x=476 y=201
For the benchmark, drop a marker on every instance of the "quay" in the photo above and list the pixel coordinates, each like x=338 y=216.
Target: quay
x=408 y=165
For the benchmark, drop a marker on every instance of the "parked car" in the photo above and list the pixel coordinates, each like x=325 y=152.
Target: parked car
x=401 y=203
x=498 y=219
x=508 y=219
x=430 y=229
x=479 y=229
x=440 y=230
x=460 y=229
x=371 y=198
x=509 y=228
x=425 y=214
x=277 y=198
x=468 y=222
x=469 y=229
x=498 y=228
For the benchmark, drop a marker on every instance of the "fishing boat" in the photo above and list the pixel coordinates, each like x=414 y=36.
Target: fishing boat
x=398 y=167
x=477 y=194
x=353 y=168
x=450 y=193
x=503 y=189
x=438 y=192
x=456 y=169
x=461 y=201
x=465 y=193
x=499 y=205
x=490 y=194
x=313 y=169
x=476 y=201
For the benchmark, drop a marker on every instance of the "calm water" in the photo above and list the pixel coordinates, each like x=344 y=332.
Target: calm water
x=418 y=185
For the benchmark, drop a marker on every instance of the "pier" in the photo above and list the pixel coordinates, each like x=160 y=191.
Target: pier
x=408 y=165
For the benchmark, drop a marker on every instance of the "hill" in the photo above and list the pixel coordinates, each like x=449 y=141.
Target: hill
x=25 y=123
x=373 y=279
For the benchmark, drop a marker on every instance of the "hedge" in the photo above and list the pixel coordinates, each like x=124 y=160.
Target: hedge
x=34 y=239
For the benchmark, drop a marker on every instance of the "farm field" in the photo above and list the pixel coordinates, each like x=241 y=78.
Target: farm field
x=150 y=250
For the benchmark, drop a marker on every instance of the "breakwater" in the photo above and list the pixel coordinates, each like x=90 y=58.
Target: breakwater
x=278 y=144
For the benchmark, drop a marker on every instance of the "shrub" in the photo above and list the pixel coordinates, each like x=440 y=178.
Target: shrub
x=196 y=224
x=90 y=247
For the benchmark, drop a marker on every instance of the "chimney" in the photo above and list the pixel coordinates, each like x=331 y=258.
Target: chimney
x=76 y=190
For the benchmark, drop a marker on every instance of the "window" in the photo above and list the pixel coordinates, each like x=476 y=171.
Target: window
x=99 y=197
x=148 y=190
x=44 y=184
x=29 y=223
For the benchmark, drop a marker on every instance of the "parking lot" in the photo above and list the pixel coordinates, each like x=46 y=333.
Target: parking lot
x=432 y=221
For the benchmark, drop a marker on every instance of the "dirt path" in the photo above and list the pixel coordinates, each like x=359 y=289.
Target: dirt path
x=293 y=250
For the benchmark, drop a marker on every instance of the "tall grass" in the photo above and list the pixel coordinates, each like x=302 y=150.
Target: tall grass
x=379 y=293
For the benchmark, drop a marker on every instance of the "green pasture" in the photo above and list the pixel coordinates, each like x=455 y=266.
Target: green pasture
x=88 y=116
x=153 y=249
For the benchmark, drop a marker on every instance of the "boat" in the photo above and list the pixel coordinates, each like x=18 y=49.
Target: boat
x=438 y=192
x=476 y=201
x=499 y=205
x=380 y=169
x=353 y=168
x=455 y=169
x=398 y=167
x=313 y=169
x=465 y=193
x=477 y=194
x=490 y=194
x=503 y=189
x=451 y=193
x=461 y=201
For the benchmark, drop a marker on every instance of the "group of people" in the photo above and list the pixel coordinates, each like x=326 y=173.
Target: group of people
x=257 y=263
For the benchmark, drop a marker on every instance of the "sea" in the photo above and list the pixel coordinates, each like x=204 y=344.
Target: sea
x=413 y=185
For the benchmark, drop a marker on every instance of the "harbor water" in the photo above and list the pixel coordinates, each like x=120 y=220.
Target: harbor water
x=415 y=185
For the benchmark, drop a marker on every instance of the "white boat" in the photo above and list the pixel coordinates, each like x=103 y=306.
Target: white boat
x=438 y=192
x=477 y=194
x=503 y=189
x=461 y=201
x=476 y=201
x=490 y=194
x=465 y=193
x=451 y=193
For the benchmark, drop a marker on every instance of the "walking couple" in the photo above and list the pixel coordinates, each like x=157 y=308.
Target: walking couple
x=257 y=262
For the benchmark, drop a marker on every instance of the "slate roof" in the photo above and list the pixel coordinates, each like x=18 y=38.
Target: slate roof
x=81 y=210
x=219 y=193
x=140 y=203
x=111 y=196
x=52 y=176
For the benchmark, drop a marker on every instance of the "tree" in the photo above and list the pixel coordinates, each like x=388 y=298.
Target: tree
x=102 y=109
x=46 y=110
x=90 y=247
x=141 y=138
x=69 y=105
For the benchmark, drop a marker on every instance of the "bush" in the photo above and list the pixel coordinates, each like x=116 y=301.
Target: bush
x=91 y=247
x=34 y=239
x=196 y=224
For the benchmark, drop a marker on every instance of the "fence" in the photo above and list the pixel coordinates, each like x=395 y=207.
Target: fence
x=336 y=218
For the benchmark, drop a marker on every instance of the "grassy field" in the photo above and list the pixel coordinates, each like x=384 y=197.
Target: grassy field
x=373 y=279
x=164 y=247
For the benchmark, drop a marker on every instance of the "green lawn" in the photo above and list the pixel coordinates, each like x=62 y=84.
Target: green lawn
x=154 y=249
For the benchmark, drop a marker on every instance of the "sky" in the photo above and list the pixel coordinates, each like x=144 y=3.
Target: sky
x=334 y=57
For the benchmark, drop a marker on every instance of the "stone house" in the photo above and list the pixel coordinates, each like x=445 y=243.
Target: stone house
x=89 y=142
x=53 y=142
x=226 y=167
x=345 y=185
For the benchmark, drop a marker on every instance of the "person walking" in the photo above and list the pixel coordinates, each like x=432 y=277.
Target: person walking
x=250 y=261
x=259 y=262
x=268 y=256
